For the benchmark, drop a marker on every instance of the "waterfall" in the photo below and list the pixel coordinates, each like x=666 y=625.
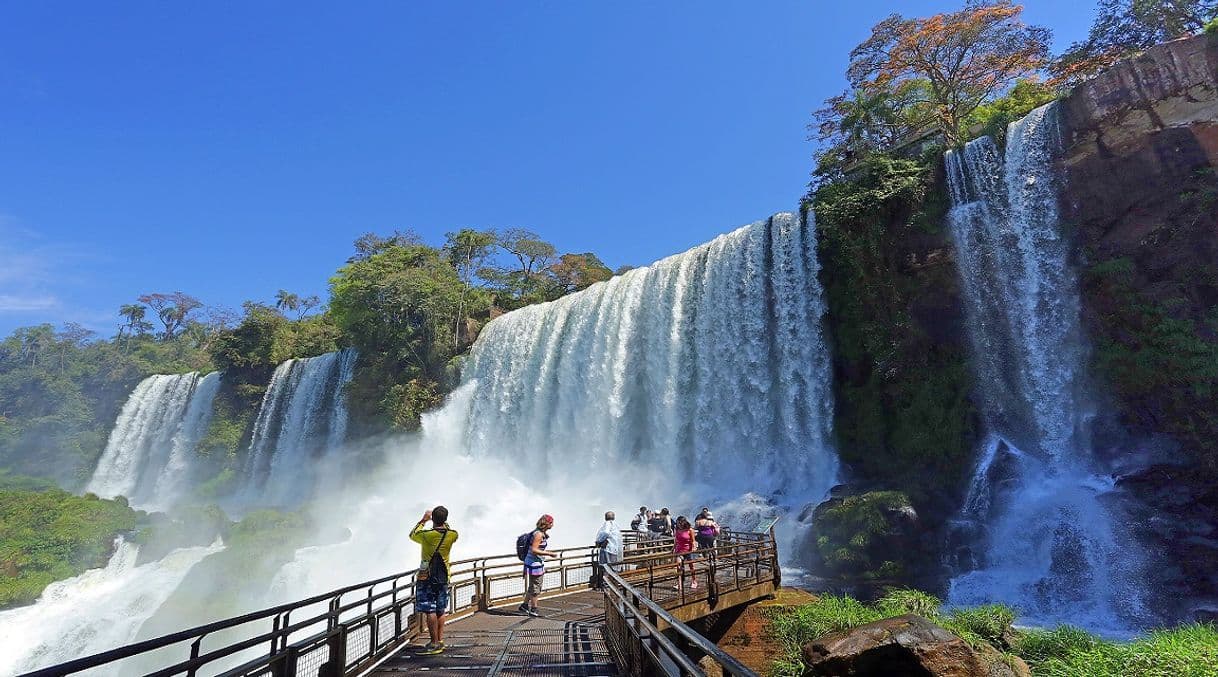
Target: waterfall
x=696 y=380
x=1050 y=545
x=176 y=474
x=96 y=611
x=302 y=421
x=150 y=450
x=709 y=365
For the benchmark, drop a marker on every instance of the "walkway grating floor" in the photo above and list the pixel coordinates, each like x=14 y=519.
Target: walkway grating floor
x=567 y=641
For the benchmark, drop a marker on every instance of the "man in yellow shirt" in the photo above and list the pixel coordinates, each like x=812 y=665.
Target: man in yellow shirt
x=431 y=586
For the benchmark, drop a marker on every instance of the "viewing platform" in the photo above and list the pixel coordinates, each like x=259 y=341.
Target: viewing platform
x=635 y=623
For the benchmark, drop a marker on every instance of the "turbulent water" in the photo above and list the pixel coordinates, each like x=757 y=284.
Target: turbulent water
x=301 y=424
x=710 y=365
x=98 y=610
x=1048 y=543
x=149 y=454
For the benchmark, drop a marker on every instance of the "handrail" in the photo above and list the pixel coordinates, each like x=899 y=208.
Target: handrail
x=387 y=620
x=625 y=590
x=457 y=569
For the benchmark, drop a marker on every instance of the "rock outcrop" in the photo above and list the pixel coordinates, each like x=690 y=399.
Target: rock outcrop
x=1141 y=196
x=905 y=645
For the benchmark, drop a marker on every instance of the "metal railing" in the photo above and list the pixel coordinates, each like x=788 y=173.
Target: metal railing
x=346 y=631
x=644 y=593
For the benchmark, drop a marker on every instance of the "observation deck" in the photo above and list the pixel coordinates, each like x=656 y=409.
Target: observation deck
x=635 y=623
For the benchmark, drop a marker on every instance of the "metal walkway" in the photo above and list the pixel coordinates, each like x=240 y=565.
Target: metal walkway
x=568 y=640
x=634 y=625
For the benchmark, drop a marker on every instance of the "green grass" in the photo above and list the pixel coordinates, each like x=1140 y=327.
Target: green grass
x=1186 y=651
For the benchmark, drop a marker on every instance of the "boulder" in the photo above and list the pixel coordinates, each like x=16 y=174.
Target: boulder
x=905 y=645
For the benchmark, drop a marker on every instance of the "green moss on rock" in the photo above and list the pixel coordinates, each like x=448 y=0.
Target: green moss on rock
x=904 y=414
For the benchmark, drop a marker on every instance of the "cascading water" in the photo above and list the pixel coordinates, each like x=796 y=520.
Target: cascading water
x=704 y=375
x=93 y=612
x=708 y=365
x=176 y=474
x=149 y=454
x=1049 y=545
x=302 y=421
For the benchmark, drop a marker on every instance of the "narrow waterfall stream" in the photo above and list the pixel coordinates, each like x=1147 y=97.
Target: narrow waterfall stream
x=301 y=422
x=149 y=454
x=1045 y=540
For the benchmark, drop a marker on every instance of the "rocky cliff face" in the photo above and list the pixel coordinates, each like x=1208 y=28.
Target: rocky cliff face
x=1140 y=201
x=1141 y=193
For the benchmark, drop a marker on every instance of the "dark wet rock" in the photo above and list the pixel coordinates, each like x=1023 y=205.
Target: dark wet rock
x=905 y=645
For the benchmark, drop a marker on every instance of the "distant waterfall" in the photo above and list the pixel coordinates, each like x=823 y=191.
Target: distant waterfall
x=1050 y=546
x=96 y=611
x=150 y=450
x=302 y=420
x=710 y=365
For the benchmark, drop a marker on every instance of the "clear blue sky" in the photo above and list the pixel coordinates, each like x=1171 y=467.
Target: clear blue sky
x=232 y=149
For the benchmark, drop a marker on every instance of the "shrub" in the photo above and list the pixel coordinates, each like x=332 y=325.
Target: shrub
x=47 y=536
x=900 y=601
x=990 y=623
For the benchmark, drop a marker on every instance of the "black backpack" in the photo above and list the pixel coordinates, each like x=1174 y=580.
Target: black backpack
x=524 y=543
x=437 y=573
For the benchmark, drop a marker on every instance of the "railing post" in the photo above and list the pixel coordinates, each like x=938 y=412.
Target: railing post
x=194 y=655
x=776 y=571
x=274 y=635
x=286 y=665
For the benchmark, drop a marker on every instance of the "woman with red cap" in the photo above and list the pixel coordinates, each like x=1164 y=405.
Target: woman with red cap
x=535 y=566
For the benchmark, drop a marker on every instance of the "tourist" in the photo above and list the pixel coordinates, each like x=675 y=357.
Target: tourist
x=431 y=583
x=609 y=540
x=684 y=545
x=655 y=525
x=640 y=520
x=667 y=517
x=535 y=565
x=707 y=529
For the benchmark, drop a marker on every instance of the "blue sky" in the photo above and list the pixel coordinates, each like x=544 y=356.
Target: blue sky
x=229 y=150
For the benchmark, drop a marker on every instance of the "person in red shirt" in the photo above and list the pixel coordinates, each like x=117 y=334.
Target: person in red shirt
x=684 y=545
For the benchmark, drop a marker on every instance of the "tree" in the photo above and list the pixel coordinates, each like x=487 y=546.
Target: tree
x=72 y=337
x=401 y=302
x=301 y=305
x=467 y=250
x=286 y=300
x=523 y=280
x=964 y=58
x=173 y=310
x=134 y=313
x=307 y=304
x=250 y=346
x=866 y=120
x=371 y=244
x=575 y=272
x=533 y=253
x=1124 y=27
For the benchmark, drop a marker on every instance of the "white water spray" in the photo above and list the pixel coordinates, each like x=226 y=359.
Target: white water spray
x=702 y=375
x=98 y=610
x=1050 y=546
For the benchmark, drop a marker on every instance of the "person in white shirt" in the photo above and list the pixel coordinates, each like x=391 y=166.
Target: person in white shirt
x=609 y=540
x=639 y=523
